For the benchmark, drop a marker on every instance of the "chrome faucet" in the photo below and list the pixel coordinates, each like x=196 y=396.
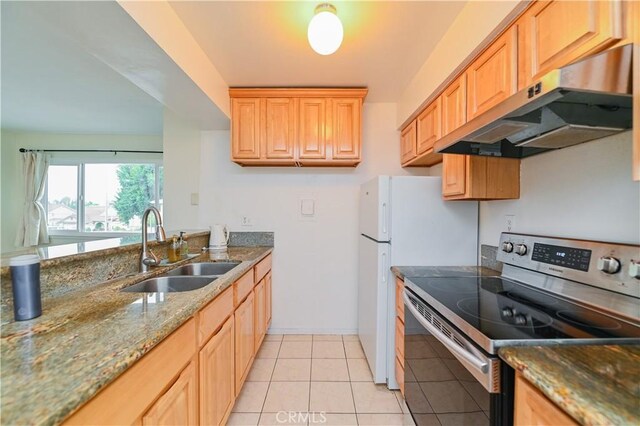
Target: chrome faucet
x=147 y=258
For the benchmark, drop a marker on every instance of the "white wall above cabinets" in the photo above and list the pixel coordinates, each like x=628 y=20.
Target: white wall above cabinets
x=315 y=260
x=584 y=192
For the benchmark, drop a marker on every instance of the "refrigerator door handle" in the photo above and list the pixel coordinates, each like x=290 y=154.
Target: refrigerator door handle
x=384 y=218
x=384 y=267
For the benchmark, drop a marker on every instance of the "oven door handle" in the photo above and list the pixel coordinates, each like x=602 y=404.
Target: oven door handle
x=477 y=363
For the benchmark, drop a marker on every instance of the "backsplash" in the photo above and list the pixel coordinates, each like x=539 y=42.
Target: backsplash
x=251 y=239
x=60 y=275
x=488 y=257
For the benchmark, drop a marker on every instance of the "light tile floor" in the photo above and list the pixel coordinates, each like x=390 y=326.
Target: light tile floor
x=315 y=380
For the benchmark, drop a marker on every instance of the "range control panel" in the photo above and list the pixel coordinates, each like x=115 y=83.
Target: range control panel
x=614 y=267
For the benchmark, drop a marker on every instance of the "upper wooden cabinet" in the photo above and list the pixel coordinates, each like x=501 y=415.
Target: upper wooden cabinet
x=454 y=105
x=245 y=128
x=555 y=33
x=472 y=177
x=429 y=126
x=493 y=77
x=635 y=17
x=279 y=128
x=303 y=127
x=408 y=143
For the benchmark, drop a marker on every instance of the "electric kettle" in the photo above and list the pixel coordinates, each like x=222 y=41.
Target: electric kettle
x=219 y=238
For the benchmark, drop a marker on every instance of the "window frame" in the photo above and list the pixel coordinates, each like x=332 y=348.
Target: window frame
x=80 y=209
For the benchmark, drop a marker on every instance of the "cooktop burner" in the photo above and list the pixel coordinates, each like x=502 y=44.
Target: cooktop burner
x=502 y=309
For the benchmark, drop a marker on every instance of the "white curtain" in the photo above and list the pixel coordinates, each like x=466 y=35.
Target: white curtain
x=33 y=223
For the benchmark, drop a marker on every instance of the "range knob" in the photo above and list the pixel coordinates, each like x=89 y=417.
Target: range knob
x=520 y=319
x=634 y=269
x=507 y=247
x=608 y=265
x=521 y=249
x=507 y=312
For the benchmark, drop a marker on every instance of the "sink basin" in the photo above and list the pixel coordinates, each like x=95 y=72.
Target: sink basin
x=207 y=268
x=169 y=284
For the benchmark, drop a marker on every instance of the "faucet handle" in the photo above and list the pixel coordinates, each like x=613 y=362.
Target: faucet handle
x=151 y=259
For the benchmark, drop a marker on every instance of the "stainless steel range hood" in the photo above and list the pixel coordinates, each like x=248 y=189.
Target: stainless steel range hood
x=580 y=102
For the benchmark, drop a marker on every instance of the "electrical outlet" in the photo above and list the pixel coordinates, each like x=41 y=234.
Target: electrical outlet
x=510 y=222
x=246 y=221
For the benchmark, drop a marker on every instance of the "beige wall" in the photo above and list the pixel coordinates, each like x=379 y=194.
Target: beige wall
x=12 y=187
x=315 y=261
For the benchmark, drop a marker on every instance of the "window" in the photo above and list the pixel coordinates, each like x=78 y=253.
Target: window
x=106 y=198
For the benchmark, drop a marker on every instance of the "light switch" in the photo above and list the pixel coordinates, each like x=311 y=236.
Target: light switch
x=307 y=207
x=195 y=198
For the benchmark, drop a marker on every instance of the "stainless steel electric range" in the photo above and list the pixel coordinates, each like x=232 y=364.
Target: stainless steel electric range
x=552 y=291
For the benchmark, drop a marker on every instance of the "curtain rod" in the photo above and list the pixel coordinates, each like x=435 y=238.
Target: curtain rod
x=114 y=151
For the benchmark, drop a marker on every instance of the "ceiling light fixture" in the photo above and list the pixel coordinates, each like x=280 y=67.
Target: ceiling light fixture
x=325 y=30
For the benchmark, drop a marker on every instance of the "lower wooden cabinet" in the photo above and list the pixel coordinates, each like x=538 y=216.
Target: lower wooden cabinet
x=400 y=334
x=468 y=177
x=178 y=405
x=532 y=408
x=217 y=378
x=244 y=339
x=259 y=317
x=268 y=300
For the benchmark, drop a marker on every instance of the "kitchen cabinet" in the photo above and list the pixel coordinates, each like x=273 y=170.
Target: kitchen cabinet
x=178 y=405
x=311 y=137
x=259 y=315
x=296 y=127
x=493 y=77
x=468 y=177
x=268 y=300
x=279 y=128
x=244 y=340
x=245 y=128
x=194 y=375
x=532 y=408
x=399 y=364
x=429 y=126
x=555 y=33
x=217 y=378
x=408 y=143
x=454 y=105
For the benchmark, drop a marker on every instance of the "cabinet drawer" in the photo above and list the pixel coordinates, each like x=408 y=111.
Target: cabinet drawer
x=242 y=287
x=400 y=341
x=212 y=316
x=400 y=376
x=399 y=300
x=262 y=268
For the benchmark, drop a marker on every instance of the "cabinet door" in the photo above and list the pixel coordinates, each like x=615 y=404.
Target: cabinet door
x=245 y=128
x=280 y=128
x=408 y=143
x=454 y=105
x=268 y=299
x=532 y=408
x=492 y=77
x=259 y=314
x=311 y=129
x=217 y=381
x=178 y=405
x=454 y=174
x=429 y=124
x=555 y=33
x=346 y=127
x=244 y=340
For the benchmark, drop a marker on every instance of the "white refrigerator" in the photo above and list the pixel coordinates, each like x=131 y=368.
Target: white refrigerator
x=404 y=222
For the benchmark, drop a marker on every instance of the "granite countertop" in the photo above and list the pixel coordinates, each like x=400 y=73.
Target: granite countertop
x=53 y=364
x=596 y=385
x=403 y=272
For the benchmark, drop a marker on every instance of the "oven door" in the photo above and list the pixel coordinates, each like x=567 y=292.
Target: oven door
x=447 y=376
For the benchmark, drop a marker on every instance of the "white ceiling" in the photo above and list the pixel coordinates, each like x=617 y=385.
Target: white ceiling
x=264 y=43
x=50 y=83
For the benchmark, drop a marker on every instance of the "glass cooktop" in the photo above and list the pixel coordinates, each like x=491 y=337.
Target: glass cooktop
x=501 y=309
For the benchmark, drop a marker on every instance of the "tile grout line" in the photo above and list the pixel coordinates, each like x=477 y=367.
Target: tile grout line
x=353 y=398
x=264 y=401
x=310 y=375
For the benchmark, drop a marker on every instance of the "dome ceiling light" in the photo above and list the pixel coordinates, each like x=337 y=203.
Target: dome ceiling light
x=325 y=30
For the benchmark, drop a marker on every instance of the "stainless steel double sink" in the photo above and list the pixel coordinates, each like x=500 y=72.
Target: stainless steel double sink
x=185 y=278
